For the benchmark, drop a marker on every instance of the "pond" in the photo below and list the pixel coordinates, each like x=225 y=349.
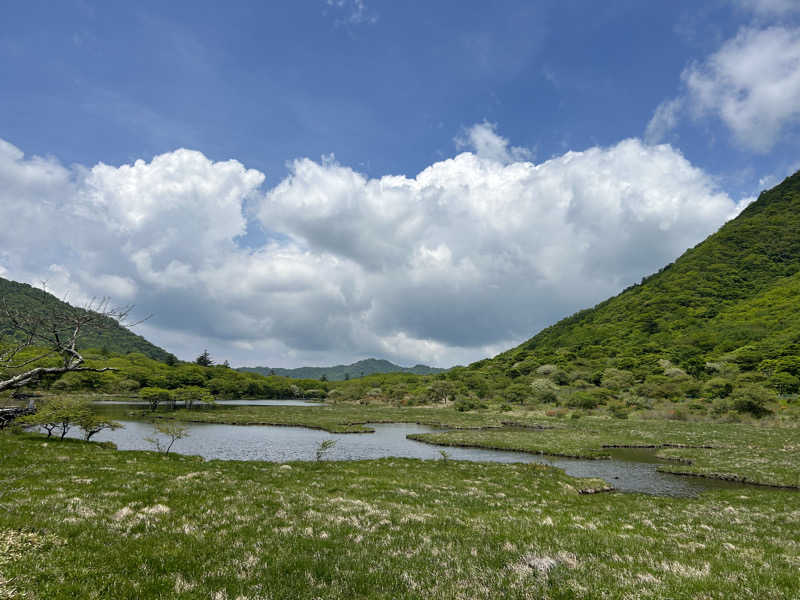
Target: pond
x=629 y=471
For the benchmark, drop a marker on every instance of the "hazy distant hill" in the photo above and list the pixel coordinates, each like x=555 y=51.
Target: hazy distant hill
x=370 y=366
x=115 y=338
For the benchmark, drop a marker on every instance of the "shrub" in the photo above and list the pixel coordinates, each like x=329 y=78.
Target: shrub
x=675 y=373
x=717 y=387
x=618 y=410
x=584 y=400
x=752 y=399
x=723 y=369
x=58 y=415
x=128 y=385
x=546 y=370
x=660 y=386
x=638 y=402
x=154 y=396
x=559 y=413
x=581 y=384
x=720 y=406
x=697 y=407
x=517 y=393
x=677 y=414
x=543 y=391
x=465 y=404
x=784 y=383
x=692 y=388
x=560 y=377
x=617 y=379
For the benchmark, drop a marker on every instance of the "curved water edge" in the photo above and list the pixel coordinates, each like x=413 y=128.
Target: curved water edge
x=626 y=472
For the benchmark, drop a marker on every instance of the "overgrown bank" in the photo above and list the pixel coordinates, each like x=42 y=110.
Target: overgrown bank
x=741 y=451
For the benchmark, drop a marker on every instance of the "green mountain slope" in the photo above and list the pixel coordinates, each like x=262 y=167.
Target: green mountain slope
x=112 y=338
x=719 y=329
x=362 y=368
x=733 y=293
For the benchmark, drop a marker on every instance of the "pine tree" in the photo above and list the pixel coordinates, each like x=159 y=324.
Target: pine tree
x=204 y=360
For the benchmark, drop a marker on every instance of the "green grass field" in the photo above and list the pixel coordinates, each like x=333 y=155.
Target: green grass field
x=340 y=418
x=80 y=520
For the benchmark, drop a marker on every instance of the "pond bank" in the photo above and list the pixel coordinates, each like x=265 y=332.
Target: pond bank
x=285 y=443
x=88 y=522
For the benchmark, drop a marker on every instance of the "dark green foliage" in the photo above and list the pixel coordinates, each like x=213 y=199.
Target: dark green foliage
x=204 y=360
x=717 y=387
x=587 y=399
x=465 y=404
x=111 y=339
x=186 y=383
x=154 y=396
x=751 y=399
x=60 y=414
x=784 y=383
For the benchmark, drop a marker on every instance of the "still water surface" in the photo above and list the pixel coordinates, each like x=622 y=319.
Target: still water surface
x=629 y=471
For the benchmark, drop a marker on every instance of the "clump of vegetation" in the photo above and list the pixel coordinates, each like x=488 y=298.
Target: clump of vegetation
x=59 y=415
x=165 y=434
x=323 y=448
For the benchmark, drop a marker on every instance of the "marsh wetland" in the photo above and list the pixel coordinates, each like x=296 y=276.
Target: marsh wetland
x=623 y=469
x=243 y=509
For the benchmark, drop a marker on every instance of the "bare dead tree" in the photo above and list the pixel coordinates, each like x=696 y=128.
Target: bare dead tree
x=52 y=330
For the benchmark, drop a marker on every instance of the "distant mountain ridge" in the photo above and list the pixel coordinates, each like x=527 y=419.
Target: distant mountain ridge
x=362 y=368
x=115 y=338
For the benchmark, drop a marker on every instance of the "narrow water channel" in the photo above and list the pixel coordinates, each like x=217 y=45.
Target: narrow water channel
x=628 y=472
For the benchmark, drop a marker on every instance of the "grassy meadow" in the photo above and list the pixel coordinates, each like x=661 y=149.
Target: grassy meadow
x=81 y=520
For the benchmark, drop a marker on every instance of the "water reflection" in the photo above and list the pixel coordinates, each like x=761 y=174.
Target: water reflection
x=628 y=471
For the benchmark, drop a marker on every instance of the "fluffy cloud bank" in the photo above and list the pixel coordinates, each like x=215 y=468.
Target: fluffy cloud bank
x=475 y=253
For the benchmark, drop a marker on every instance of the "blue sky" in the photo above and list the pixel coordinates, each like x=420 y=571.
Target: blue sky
x=265 y=82
x=384 y=88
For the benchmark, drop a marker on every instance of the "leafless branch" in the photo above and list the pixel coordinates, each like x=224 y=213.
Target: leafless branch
x=56 y=331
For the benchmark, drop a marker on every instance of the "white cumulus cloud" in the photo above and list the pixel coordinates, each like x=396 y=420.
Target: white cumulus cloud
x=471 y=255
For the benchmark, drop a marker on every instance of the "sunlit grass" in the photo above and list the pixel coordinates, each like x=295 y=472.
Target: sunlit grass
x=83 y=521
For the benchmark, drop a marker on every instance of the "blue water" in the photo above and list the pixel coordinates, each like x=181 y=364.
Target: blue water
x=631 y=471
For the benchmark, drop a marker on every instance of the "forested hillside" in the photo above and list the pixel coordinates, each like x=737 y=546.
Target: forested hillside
x=135 y=373
x=112 y=338
x=723 y=317
x=732 y=297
